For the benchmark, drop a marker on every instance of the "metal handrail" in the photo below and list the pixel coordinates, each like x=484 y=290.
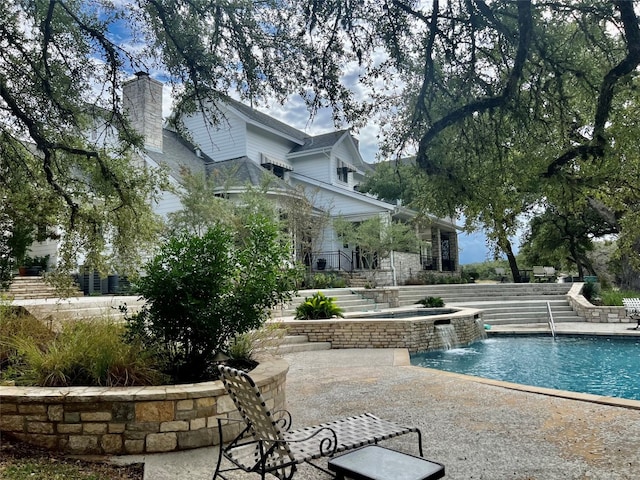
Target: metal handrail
x=552 y=324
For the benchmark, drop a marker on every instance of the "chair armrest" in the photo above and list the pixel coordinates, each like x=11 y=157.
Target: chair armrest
x=284 y=420
x=327 y=445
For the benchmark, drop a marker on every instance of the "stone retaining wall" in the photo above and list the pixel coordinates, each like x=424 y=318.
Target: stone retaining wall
x=130 y=420
x=594 y=313
x=416 y=333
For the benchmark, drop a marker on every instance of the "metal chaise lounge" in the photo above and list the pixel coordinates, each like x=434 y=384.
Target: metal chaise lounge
x=267 y=444
x=632 y=308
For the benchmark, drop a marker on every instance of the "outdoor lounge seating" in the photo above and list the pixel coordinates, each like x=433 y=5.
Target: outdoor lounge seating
x=632 y=307
x=544 y=273
x=267 y=444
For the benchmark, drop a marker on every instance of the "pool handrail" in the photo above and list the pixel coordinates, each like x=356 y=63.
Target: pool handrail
x=552 y=324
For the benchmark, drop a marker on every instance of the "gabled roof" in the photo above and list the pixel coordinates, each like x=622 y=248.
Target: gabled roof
x=177 y=154
x=319 y=142
x=264 y=120
x=242 y=171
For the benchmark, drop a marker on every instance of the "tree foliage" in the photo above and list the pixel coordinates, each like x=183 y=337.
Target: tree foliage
x=202 y=291
x=62 y=66
x=507 y=103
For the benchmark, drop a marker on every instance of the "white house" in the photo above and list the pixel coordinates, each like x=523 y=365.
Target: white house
x=328 y=168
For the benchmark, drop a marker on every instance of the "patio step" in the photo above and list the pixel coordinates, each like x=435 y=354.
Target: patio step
x=502 y=304
x=27 y=288
x=298 y=343
x=345 y=298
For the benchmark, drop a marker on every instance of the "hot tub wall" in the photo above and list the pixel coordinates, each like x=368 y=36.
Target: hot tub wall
x=416 y=334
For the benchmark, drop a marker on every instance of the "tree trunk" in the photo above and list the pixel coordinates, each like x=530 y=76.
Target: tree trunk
x=505 y=245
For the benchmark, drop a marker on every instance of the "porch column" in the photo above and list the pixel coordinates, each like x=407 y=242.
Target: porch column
x=436 y=249
x=453 y=251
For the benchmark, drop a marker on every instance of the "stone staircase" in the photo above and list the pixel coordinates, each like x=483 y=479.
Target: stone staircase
x=24 y=288
x=503 y=303
x=345 y=298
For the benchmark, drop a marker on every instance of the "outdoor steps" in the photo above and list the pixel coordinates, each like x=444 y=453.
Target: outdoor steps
x=345 y=298
x=81 y=307
x=298 y=343
x=26 y=288
x=502 y=304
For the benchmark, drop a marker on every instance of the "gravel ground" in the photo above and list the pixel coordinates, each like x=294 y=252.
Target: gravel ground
x=477 y=431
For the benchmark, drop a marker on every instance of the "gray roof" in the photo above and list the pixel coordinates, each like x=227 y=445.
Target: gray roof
x=320 y=141
x=266 y=120
x=178 y=154
x=242 y=171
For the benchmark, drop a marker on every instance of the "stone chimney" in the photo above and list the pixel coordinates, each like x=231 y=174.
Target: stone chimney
x=142 y=100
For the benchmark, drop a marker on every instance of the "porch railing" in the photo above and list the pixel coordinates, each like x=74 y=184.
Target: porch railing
x=337 y=260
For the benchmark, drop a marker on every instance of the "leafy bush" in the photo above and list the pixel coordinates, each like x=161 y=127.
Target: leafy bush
x=431 y=302
x=83 y=353
x=614 y=297
x=327 y=280
x=318 y=306
x=203 y=291
x=590 y=291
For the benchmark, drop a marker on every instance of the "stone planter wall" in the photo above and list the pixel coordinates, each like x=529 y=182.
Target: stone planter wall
x=593 y=313
x=415 y=333
x=130 y=420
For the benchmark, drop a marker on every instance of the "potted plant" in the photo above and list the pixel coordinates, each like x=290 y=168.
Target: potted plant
x=34 y=266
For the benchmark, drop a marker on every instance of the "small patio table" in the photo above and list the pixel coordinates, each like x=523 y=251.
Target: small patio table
x=378 y=463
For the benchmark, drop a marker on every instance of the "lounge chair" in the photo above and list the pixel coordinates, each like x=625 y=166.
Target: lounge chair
x=268 y=445
x=632 y=307
x=538 y=272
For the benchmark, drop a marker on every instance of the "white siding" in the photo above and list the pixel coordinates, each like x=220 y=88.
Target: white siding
x=224 y=141
x=260 y=141
x=168 y=202
x=317 y=167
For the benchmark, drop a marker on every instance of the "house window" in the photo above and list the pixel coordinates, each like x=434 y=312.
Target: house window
x=343 y=173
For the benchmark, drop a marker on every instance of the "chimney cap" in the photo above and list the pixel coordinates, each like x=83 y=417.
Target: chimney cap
x=141 y=74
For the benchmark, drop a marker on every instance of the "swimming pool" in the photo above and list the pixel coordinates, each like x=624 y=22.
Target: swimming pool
x=608 y=366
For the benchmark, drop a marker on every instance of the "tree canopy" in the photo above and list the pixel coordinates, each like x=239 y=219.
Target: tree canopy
x=503 y=103
x=508 y=106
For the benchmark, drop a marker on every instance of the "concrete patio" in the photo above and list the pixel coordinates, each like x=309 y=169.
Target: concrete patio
x=478 y=429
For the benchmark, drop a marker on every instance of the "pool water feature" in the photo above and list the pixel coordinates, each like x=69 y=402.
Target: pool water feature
x=608 y=366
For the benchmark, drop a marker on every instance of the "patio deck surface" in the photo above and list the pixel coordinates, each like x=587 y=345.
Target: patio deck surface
x=477 y=429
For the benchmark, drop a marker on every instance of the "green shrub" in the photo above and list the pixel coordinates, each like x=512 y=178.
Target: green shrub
x=614 y=298
x=16 y=322
x=203 y=291
x=590 y=291
x=431 y=302
x=318 y=306
x=83 y=353
x=327 y=280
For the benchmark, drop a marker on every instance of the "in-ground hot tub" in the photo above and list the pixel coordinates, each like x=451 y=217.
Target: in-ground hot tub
x=417 y=329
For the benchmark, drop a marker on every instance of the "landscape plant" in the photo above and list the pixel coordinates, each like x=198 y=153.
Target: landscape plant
x=317 y=307
x=83 y=352
x=431 y=302
x=202 y=291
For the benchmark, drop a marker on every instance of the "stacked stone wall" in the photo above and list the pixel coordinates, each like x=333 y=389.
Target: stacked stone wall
x=594 y=313
x=416 y=333
x=131 y=420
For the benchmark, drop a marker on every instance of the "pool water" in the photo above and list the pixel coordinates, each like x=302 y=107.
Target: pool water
x=608 y=366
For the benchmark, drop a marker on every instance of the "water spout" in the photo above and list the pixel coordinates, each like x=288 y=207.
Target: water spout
x=481 y=332
x=447 y=335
